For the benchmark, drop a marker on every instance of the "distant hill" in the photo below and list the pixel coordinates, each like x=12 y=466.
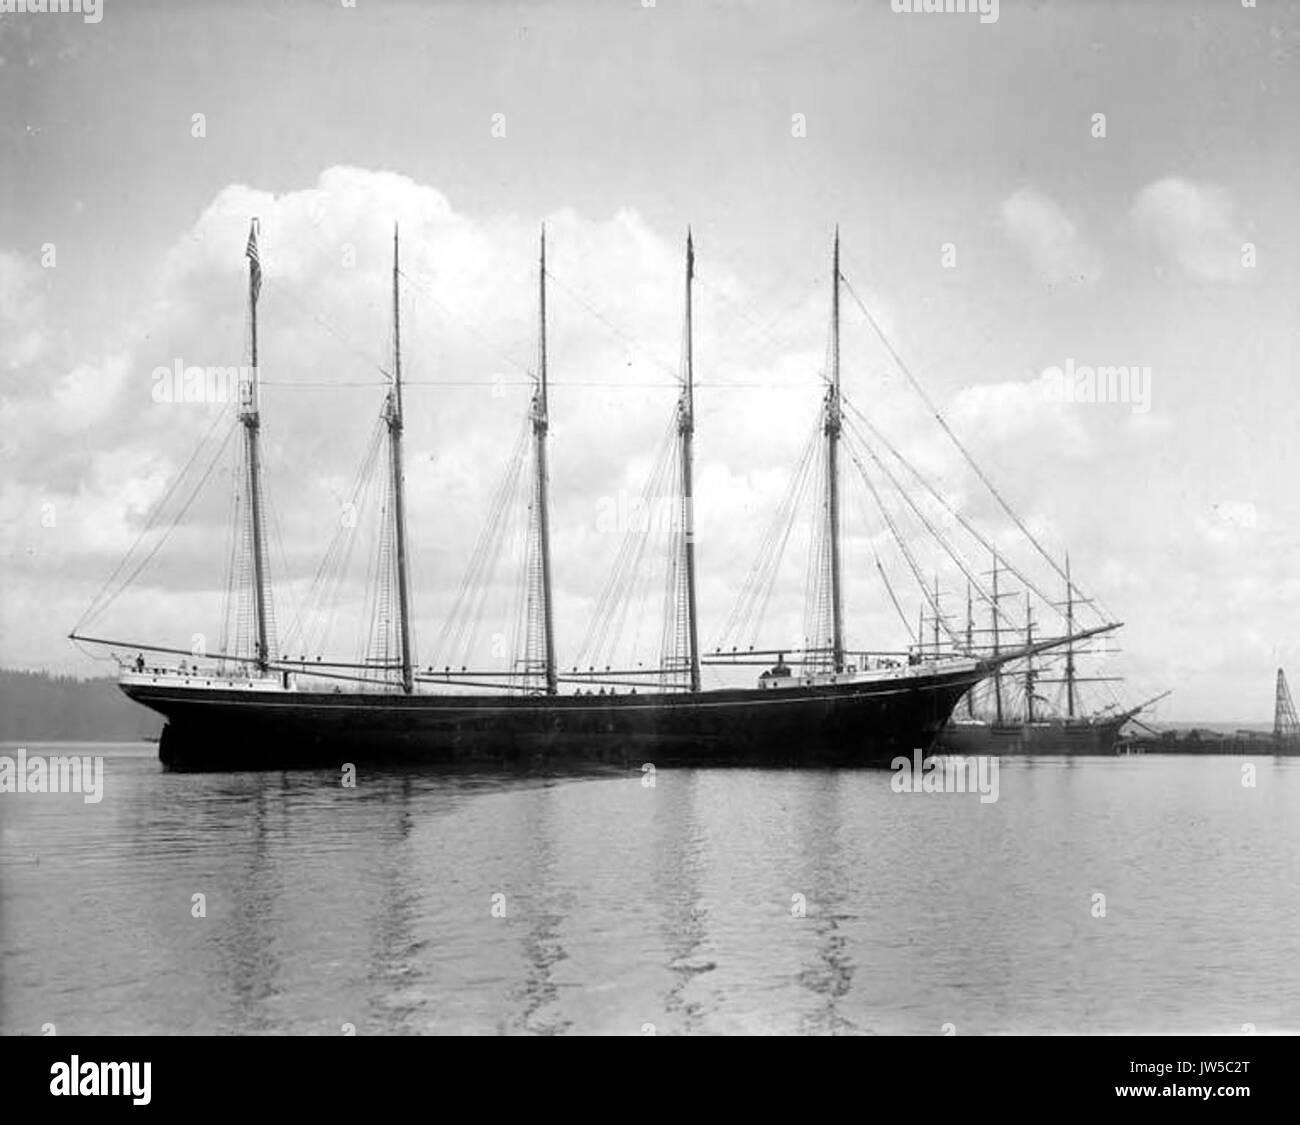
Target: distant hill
x=38 y=707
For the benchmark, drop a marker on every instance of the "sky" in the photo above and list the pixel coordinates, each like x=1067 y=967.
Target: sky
x=1071 y=185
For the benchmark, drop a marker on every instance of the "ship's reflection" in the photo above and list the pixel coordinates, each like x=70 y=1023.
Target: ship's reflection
x=541 y=912
x=379 y=865
x=830 y=975
x=629 y=906
x=356 y=904
x=273 y=882
x=677 y=861
x=393 y=946
x=248 y=960
x=207 y=903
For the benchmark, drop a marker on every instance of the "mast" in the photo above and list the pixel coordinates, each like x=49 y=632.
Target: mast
x=970 y=632
x=1029 y=663
x=936 y=617
x=997 y=675
x=686 y=433
x=249 y=416
x=1069 y=648
x=832 y=428
x=541 y=423
x=399 y=500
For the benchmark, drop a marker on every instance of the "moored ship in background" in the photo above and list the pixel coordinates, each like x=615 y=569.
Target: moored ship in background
x=1009 y=714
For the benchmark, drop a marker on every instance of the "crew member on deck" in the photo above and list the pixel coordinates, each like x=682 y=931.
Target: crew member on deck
x=779 y=671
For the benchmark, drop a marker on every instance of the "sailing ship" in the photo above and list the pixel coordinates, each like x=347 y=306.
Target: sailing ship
x=815 y=703
x=1009 y=715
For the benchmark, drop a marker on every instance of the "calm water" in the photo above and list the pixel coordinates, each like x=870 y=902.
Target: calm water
x=671 y=906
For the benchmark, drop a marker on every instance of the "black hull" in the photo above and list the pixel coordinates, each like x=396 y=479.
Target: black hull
x=1063 y=737
x=864 y=723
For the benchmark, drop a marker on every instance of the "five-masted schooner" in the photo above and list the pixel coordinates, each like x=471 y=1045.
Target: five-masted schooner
x=826 y=705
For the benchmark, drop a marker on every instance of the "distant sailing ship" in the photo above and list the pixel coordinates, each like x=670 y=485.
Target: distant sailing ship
x=1012 y=717
x=817 y=703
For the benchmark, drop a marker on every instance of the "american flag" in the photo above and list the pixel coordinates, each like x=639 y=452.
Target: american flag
x=254 y=264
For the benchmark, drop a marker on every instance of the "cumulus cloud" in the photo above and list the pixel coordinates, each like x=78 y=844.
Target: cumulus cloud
x=1194 y=226
x=102 y=454
x=1049 y=238
x=1022 y=412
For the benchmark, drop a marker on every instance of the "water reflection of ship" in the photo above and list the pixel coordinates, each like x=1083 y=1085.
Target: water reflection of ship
x=830 y=977
x=541 y=909
x=269 y=898
x=678 y=859
x=393 y=994
x=247 y=950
